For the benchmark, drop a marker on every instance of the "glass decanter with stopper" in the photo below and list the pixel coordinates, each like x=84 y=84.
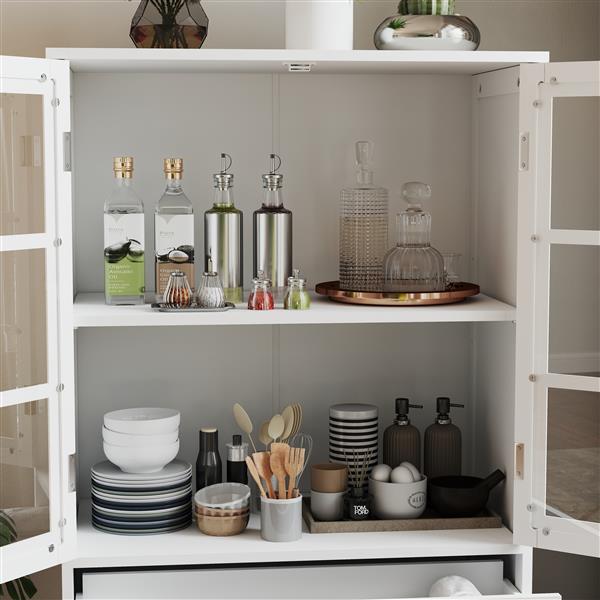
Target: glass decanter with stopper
x=414 y=265
x=363 y=227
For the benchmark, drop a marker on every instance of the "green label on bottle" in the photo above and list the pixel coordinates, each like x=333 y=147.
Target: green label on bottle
x=124 y=278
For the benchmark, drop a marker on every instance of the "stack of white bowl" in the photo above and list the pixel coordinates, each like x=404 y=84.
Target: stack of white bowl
x=141 y=440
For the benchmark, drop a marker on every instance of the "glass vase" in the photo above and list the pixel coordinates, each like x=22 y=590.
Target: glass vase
x=169 y=24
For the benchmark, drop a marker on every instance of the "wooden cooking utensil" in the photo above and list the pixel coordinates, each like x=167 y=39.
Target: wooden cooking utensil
x=254 y=472
x=282 y=450
x=276 y=427
x=263 y=435
x=244 y=422
x=278 y=468
x=288 y=419
x=262 y=460
x=293 y=467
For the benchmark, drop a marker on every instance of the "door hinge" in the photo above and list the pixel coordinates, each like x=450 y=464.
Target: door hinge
x=524 y=151
x=72 y=473
x=519 y=460
x=62 y=523
x=67 y=151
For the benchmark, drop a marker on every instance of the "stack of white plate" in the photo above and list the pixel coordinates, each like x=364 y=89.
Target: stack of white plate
x=354 y=436
x=136 y=504
x=141 y=440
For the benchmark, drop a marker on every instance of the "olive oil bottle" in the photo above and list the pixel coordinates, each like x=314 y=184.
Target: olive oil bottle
x=173 y=230
x=123 y=239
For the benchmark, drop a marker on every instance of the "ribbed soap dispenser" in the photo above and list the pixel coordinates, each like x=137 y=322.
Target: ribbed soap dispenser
x=401 y=440
x=443 y=443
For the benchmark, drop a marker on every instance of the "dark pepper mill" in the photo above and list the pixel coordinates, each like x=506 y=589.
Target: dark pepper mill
x=401 y=440
x=237 y=471
x=443 y=443
x=209 y=469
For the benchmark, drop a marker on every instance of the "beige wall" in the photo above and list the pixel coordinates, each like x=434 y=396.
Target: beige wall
x=569 y=29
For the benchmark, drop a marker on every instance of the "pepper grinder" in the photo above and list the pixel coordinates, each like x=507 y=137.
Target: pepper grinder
x=443 y=443
x=237 y=471
x=209 y=469
x=401 y=440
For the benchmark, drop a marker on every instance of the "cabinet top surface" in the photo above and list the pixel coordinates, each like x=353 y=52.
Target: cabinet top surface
x=279 y=61
x=96 y=548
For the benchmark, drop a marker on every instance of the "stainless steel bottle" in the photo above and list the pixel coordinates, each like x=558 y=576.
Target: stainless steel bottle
x=443 y=443
x=401 y=440
x=223 y=237
x=273 y=232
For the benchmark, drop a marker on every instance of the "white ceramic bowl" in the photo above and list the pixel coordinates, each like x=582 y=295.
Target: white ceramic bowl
x=142 y=421
x=223 y=495
x=115 y=438
x=141 y=459
x=398 y=500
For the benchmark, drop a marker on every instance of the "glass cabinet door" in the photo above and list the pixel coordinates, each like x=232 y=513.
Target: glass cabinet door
x=559 y=403
x=35 y=387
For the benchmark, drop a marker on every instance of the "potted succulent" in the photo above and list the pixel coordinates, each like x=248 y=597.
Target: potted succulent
x=17 y=589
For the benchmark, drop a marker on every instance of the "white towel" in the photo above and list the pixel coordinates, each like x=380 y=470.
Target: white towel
x=453 y=586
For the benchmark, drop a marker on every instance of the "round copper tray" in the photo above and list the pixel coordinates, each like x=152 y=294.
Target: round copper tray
x=458 y=293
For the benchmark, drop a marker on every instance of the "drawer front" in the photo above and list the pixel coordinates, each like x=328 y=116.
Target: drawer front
x=368 y=581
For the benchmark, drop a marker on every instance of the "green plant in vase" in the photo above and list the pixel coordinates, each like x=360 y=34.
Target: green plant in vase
x=17 y=589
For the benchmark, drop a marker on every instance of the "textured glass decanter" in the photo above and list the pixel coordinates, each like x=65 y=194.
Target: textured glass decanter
x=414 y=265
x=363 y=227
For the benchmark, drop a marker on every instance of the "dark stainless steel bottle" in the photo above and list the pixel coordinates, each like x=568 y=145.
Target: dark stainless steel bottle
x=237 y=471
x=272 y=227
x=401 y=440
x=443 y=443
x=209 y=469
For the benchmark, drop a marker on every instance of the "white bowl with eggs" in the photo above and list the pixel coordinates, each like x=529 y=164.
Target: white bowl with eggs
x=399 y=493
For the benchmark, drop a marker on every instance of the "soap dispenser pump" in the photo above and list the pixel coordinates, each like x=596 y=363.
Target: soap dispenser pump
x=401 y=440
x=443 y=443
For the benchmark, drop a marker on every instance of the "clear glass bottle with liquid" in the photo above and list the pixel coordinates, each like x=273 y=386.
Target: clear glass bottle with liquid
x=173 y=229
x=123 y=238
x=363 y=227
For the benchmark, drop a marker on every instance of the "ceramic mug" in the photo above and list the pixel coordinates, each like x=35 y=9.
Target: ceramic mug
x=327 y=506
x=329 y=477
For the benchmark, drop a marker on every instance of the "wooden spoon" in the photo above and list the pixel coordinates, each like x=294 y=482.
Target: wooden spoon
x=243 y=421
x=254 y=472
x=278 y=468
x=263 y=435
x=262 y=460
x=283 y=451
x=288 y=419
x=276 y=427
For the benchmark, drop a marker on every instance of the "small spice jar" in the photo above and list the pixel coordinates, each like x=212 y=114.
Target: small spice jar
x=261 y=297
x=296 y=296
x=210 y=293
x=178 y=293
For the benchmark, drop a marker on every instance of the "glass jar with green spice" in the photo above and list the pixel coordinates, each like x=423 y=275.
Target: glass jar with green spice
x=297 y=296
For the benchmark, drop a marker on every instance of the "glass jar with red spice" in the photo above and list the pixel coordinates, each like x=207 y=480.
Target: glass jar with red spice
x=261 y=297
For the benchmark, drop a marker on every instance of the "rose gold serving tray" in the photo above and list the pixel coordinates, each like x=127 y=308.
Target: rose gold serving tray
x=457 y=293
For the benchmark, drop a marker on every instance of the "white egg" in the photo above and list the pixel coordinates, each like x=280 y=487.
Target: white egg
x=415 y=472
x=381 y=473
x=401 y=475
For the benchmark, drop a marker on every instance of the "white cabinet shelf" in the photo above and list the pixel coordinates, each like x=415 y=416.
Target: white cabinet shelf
x=189 y=546
x=91 y=311
x=136 y=60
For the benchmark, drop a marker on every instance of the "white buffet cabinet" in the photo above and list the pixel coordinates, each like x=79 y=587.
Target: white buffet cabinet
x=478 y=127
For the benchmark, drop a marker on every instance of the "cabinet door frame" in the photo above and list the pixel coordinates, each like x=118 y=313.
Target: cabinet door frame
x=49 y=79
x=540 y=84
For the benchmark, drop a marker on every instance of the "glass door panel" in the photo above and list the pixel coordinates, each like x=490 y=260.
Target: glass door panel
x=23 y=346
x=575 y=161
x=573 y=447
x=22 y=158
x=574 y=328
x=32 y=403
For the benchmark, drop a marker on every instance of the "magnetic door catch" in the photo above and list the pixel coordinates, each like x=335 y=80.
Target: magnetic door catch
x=67 y=151
x=519 y=460
x=524 y=152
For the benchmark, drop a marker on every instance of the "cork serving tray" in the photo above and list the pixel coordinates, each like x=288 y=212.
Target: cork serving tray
x=428 y=522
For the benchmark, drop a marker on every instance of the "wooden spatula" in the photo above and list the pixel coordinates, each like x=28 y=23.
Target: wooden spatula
x=278 y=468
x=262 y=460
x=293 y=467
x=254 y=472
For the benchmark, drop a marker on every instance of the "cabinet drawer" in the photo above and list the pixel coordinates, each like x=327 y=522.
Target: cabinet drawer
x=406 y=580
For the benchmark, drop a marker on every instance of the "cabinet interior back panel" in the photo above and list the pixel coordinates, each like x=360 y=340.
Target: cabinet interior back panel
x=203 y=371
x=421 y=127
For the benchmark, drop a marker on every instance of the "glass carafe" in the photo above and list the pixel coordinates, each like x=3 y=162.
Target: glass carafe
x=414 y=265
